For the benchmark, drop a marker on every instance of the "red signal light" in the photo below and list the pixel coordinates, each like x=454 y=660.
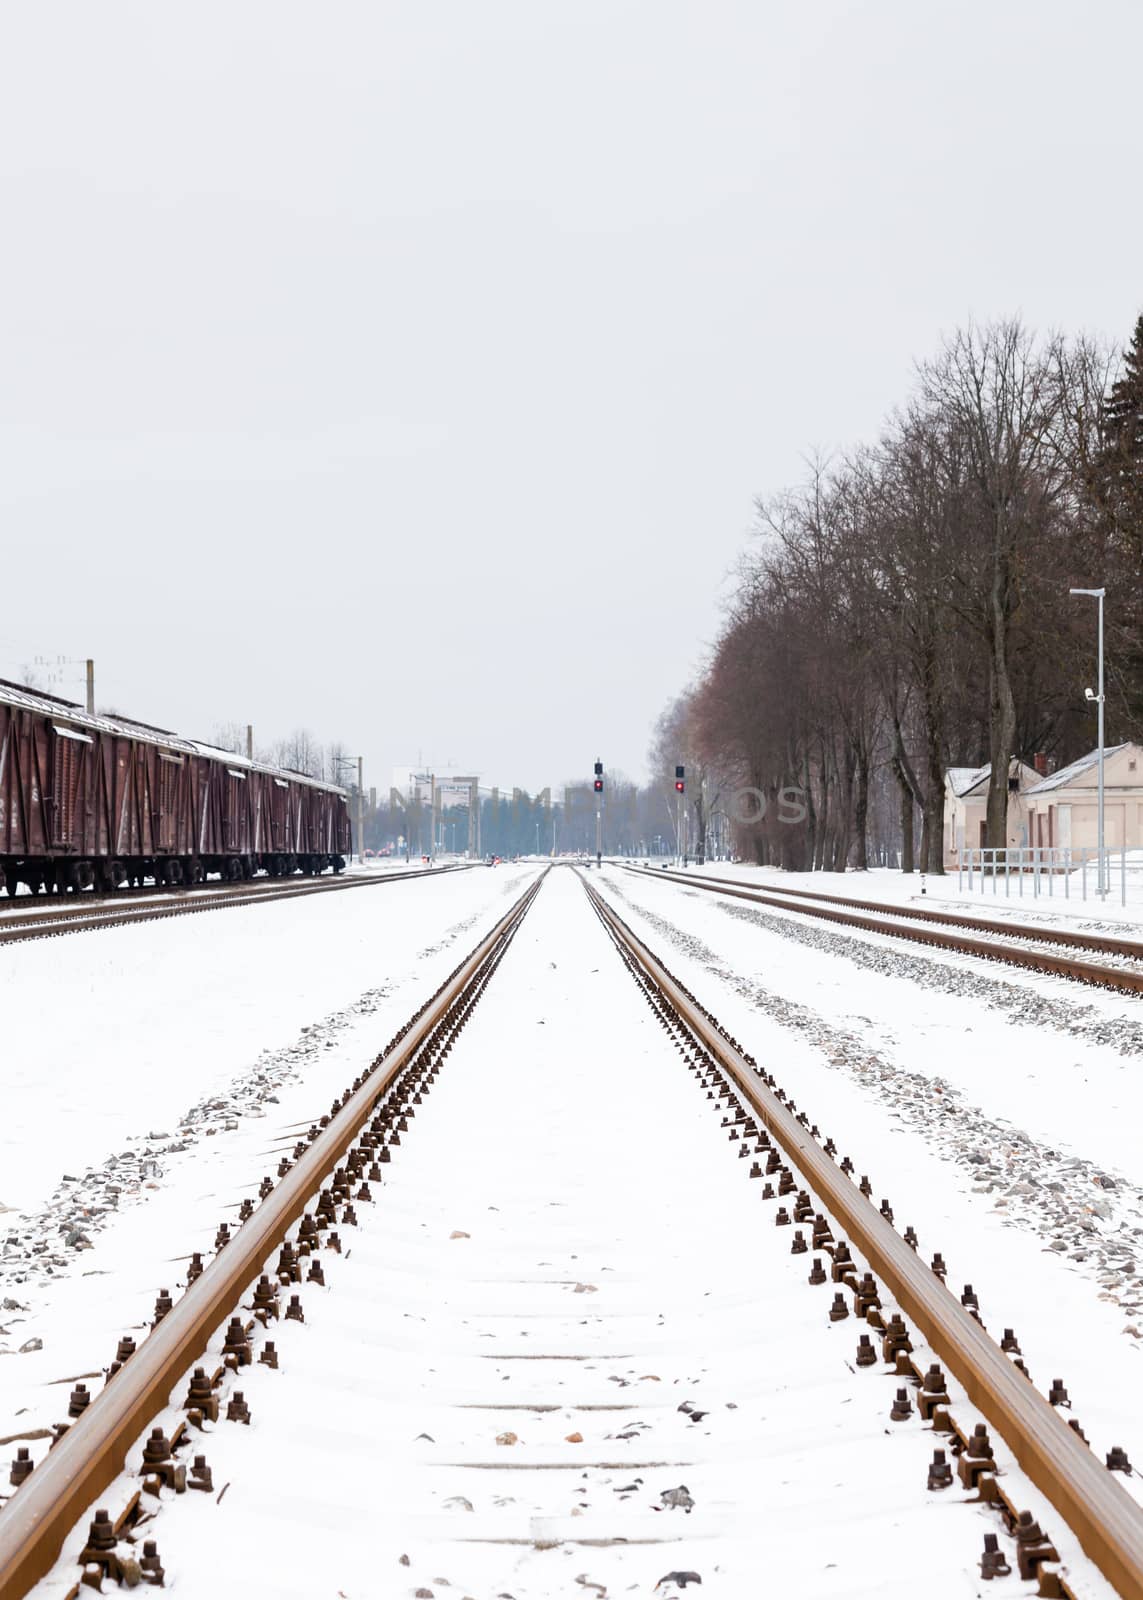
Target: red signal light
x=680 y=786
x=599 y=785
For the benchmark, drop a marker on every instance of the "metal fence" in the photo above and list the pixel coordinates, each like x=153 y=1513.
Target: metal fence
x=1046 y=871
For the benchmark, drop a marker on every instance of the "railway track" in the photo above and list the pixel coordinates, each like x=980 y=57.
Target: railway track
x=564 y=1357
x=1022 y=945
x=77 y=915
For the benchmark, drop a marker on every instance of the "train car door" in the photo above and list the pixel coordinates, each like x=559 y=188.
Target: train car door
x=170 y=774
x=234 y=816
x=67 y=768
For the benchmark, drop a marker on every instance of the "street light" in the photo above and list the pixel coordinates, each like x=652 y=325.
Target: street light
x=1098 y=594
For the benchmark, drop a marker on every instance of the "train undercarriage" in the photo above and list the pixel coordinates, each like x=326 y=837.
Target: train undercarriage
x=104 y=875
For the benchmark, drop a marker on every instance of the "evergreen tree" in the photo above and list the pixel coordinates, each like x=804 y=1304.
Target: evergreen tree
x=1117 y=482
x=1120 y=462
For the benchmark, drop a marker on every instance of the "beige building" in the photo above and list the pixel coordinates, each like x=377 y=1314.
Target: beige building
x=1063 y=809
x=966 y=807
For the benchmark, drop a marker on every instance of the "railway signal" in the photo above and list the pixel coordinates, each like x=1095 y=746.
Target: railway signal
x=599 y=814
x=680 y=813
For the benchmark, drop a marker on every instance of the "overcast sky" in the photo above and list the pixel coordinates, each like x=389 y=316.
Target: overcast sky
x=407 y=371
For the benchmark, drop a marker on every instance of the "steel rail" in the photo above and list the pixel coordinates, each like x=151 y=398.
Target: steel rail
x=1103 y=1516
x=38 y=1518
x=1104 y=944
x=1121 y=978
x=21 y=926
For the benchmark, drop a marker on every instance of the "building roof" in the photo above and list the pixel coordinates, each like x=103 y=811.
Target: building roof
x=963 y=780
x=1069 y=774
x=75 y=716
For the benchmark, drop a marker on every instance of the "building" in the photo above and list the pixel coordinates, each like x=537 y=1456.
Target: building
x=1063 y=807
x=966 y=807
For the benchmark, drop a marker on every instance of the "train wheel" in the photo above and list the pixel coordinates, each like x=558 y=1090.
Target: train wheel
x=195 y=871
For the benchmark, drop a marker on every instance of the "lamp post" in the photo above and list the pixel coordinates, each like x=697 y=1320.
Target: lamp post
x=1101 y=885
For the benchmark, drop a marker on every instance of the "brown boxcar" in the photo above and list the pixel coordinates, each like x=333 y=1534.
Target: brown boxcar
x=98 y=800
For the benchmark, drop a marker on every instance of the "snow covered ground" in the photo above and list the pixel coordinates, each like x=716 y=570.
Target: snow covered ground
x=569 y=1354
x=150 y=1074
x=943 y=893
x=998 y=1111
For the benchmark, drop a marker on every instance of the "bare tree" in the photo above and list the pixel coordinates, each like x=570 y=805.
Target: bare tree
x=1001 y=400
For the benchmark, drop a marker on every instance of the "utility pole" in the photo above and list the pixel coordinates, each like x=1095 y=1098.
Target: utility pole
x=90 y=688
x=1101 y=876
x=249 y=741
x=360 y=813
x=341 y=760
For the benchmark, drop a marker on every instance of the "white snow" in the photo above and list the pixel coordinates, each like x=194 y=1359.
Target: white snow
x=176 y=1061
x=615 y=1263
x=994 y=897
x=915 y=1085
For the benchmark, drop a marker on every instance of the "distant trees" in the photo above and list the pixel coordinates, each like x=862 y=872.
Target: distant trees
x=677 y=742
x=906 y=607
x=299 y=752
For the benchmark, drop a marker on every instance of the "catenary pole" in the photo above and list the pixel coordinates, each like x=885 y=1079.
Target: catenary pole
x=360 y=812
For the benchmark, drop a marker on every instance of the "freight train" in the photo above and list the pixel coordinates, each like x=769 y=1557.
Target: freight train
x=93 y=801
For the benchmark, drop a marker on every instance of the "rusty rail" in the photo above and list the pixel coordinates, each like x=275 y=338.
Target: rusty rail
x=66 y=916
x=38 y=1518
x=1077 y=939
x=1104 y=1517
x=1121 y=978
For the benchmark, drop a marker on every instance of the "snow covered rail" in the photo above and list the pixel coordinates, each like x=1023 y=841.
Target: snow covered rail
x=90 y=1453
x=70 y=916
x=1073 y=939
x=1018 y=944
x=1106 y=1519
